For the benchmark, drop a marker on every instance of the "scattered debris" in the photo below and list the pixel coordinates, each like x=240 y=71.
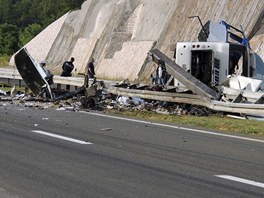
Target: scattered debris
x=106 y=129
x=94 y=97
x=13 y=92
x=2 y=93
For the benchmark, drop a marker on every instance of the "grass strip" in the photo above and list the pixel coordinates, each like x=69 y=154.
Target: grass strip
x=215 y=122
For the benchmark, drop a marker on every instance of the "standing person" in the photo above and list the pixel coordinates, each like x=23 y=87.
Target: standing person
x=49 y=76
x=90 y=73
x=161 y=72
x=153 y=77
x=67 y=68
x=90 y=68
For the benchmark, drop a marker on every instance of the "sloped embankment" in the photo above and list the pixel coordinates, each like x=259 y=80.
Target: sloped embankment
x=119 y=33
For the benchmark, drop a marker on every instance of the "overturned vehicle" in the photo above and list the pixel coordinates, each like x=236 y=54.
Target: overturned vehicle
x=219 y=72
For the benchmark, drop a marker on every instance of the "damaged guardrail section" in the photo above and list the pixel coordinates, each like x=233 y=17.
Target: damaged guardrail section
x=241 y=108
x=182 y=98
x=195 y=94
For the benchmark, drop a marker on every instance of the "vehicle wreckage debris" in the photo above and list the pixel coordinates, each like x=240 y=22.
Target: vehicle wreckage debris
x=96 y=98
x=106 y=129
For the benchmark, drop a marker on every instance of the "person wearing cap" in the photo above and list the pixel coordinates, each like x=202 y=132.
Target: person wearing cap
x=67 y=68
x=49 y=76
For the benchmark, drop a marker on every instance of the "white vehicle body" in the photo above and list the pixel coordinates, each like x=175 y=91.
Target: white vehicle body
x=221 y=50
x=212 y=62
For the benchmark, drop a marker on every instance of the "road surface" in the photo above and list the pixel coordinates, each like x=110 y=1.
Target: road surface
x=51 y=153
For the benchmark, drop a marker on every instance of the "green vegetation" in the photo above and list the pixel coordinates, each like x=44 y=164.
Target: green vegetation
x=219 y=123
x=8 y=38
x=29 y=33
x=4 y=59
x=22 y=20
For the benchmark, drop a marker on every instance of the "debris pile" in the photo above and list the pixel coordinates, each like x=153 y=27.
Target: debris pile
x=96 y=97
x=124 y=103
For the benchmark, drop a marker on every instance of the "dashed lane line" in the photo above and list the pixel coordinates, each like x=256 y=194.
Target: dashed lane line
x=60 y=137
x=241 y=180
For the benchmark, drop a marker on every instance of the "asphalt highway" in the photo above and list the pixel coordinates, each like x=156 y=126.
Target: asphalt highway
x=51 y=153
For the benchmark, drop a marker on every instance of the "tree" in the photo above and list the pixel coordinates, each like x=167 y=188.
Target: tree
x=28 y=18
x=8 y=39
x=29 y=33
x=5 y=7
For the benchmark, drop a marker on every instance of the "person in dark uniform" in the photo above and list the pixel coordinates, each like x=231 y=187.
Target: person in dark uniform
x=90 y=73
x=90 y=68
x=67 y=68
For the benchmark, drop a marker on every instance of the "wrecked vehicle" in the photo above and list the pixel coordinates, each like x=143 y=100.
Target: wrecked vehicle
x=32 y=73
x=219 y=53
x=224 y=61
x=35 y=79
x=218 y=72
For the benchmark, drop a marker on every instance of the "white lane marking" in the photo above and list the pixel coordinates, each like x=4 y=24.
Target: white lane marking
x=241 y=180
x=175 y=127
x=60 y=137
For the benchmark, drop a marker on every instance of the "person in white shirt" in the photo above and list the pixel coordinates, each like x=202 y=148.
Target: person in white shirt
x=49 y=76
x=161 y=72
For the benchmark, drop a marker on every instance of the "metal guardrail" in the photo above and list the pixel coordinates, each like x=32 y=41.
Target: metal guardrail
x=242 y=108
x=13 y=74
x=10 y=74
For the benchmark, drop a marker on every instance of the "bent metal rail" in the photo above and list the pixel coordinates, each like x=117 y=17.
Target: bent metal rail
x=242 y=108
x=12 y=74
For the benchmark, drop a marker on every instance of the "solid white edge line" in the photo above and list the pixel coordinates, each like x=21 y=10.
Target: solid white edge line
x=175 y=127
x=60 y=137
x=241 y=180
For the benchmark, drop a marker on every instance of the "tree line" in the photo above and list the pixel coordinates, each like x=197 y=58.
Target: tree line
x=22 y=20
